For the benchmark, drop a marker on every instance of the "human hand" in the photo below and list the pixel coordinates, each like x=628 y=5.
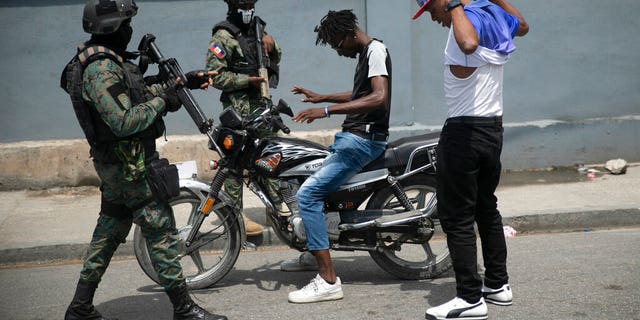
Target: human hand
x=310 y=96
x=171 y=101
x=309 y=115
x=199 y=79
x=268 y=43
x=256 y=81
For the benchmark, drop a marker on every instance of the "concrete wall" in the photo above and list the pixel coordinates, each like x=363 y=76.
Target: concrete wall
x=571 y=92
x=65 y=163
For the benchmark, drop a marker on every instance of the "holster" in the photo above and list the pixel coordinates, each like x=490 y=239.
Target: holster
x=163 y=179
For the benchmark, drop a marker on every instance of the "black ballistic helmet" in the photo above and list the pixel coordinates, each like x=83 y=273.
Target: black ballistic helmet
x=106 y=16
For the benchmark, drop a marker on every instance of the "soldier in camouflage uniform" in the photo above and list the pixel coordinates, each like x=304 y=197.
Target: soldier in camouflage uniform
x=233 y=54
x=121 y=117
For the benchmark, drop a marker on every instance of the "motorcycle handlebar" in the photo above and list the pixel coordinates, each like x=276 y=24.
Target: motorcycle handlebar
x=271 y=118
x=278 y=122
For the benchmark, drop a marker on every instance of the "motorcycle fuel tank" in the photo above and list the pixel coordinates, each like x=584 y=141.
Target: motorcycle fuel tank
x=290 y=155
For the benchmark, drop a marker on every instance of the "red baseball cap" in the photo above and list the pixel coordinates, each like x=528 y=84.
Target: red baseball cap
x=423 y=4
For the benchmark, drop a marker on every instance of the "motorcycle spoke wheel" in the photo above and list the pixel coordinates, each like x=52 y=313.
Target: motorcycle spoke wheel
x=218 y=243
x=422 y=256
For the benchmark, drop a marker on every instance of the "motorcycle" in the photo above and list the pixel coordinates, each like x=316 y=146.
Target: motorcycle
x=388 y=209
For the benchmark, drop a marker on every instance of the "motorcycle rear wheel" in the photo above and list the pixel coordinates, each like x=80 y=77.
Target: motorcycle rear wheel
x=208 y=264
x=424 y=258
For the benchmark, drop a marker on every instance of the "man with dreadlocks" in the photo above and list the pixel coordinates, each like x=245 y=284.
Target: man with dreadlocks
x=363 y=138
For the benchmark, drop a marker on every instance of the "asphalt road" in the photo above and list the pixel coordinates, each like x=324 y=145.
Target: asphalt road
x=585 y=275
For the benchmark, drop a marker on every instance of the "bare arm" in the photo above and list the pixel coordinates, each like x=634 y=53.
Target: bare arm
x=313 y=97
x=338 y=97
x=463 y=31
x=376 y=99
x=523 y=29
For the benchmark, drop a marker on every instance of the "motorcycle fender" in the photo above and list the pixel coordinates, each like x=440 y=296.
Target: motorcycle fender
x=201 y=189
x=196 y=187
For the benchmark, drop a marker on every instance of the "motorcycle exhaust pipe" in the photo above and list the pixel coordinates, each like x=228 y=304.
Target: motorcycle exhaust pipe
x=392 y=220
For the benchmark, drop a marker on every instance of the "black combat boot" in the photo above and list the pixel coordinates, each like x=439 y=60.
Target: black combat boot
x=185 y=309
x=81 y=307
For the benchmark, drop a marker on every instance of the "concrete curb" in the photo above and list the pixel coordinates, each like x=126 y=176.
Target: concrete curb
x=526 y=224
x=575 y=221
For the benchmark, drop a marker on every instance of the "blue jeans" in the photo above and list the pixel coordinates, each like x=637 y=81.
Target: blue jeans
x=349 y=154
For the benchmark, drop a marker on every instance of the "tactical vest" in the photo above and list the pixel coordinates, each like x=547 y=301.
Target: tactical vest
x=249 y=49
x=100 y=137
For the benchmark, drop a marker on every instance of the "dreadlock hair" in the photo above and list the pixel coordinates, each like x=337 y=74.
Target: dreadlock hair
x=334 y=24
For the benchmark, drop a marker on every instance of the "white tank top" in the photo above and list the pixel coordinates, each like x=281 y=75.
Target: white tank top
x=480 y=94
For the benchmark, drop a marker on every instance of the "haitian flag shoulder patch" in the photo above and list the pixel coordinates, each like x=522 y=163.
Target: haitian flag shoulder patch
x=217 y=50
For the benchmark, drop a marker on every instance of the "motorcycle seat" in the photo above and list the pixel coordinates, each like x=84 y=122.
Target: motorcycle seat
x=396 y=156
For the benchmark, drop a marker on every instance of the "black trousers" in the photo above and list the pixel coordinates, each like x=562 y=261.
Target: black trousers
x=468 y=172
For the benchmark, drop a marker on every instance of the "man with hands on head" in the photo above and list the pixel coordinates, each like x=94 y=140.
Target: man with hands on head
x=363 y=138
x=479 y=45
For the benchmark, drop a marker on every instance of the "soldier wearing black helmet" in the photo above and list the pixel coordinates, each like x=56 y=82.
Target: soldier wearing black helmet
x=232 y=52
x=121 y=117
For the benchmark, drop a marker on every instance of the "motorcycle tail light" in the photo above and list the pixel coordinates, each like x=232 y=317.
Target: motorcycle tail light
x=227 y=142
x=213 y=164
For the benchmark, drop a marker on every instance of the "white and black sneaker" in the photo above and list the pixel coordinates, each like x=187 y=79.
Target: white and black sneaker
x=501 y=296
x=458 y=309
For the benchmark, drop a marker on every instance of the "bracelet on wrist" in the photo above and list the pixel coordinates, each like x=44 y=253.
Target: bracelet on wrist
x=326 y=112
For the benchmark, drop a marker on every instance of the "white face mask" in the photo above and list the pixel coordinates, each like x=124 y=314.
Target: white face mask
x=247 y=15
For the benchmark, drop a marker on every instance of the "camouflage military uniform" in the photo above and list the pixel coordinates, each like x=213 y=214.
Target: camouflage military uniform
x=225 y=51
x=122 y=191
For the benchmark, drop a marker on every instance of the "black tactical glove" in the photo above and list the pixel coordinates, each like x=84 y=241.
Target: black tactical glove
x=194 y=81
x=171 y=100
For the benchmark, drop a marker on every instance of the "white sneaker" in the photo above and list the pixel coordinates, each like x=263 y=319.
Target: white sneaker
x=305 y=262
x=458 y=309
x=317 y=290
x=501 y=296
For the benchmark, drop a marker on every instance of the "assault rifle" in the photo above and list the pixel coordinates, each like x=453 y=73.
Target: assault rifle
x=170 y=71
x=262 y=61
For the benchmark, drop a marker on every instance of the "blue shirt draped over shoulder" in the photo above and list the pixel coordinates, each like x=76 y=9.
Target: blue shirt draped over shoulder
x=495 y=27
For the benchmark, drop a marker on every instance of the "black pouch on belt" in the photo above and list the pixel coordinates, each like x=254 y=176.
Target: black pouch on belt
x=163 y=179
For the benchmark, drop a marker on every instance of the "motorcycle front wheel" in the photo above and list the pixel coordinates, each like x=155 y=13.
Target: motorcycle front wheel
x=406 y=257
x=219 y=236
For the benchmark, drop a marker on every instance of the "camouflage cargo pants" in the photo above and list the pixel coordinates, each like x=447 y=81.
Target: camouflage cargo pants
x=154 y=220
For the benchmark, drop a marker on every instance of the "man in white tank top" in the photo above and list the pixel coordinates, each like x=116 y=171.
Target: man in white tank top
x=468 y=159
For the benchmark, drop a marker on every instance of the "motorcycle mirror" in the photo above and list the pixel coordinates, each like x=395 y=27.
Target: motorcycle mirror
x=230 y=118
x=283 y=107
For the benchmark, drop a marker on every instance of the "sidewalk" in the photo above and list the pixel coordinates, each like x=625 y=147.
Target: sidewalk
x=56 y=224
